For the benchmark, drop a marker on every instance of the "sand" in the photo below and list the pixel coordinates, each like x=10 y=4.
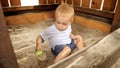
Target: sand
x=23 y=39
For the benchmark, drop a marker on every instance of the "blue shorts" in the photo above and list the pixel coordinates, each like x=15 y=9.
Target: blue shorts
x=59 y=48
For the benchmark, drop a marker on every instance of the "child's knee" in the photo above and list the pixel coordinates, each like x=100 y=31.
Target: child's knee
x=67 y=49
x=80 y=37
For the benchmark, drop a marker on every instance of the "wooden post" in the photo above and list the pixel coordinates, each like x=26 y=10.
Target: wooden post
x=116 y=19
x=7 y=56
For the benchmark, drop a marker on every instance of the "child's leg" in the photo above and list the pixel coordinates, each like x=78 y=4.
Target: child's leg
x=64 y=53
x=79 y=42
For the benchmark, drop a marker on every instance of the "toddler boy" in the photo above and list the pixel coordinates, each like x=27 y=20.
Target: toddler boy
x=62 y=41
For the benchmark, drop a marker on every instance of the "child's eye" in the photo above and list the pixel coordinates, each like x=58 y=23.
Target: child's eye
x=64 y=24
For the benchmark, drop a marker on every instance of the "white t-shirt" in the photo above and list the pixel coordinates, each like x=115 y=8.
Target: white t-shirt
x=57 y=37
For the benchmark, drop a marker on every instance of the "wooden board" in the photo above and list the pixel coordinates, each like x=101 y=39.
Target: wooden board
x=105 y=14
x=109 y=5
x=77 y=2
x=4 y=3
x=7 y=56
x=102 y=26
x=58 y=1
x=96 y=4
x=15 y=2
x=29 y=18
x=116 y=20
x=27 y=8
x=85 y=3
x=37 y=17
x=50 y=1
x=42 y=2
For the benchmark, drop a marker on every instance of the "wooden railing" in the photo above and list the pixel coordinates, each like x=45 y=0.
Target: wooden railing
x=102 y=8
x=108 y=5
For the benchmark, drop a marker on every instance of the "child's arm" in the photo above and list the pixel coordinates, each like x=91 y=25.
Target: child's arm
x=38 y=43
x=78 y=41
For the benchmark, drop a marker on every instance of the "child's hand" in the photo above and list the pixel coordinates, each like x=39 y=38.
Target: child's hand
x=77 y=37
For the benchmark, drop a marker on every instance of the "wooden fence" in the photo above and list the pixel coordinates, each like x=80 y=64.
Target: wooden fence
x=97 y=7
x=102 y=8
x=107 y=5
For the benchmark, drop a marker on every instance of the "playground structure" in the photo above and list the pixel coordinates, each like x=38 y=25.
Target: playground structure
x=95 y=14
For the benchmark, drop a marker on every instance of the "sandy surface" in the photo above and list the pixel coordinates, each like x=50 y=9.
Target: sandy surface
x=23 y=38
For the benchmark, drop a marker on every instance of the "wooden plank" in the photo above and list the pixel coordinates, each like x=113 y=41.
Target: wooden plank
x=15 y=2
x=28 y=18
x=21 y=19
x=50 y=1
x=42 y=2
x=98 y=25
x=112 y=61
x=4 y=3
x=95 y=55
x=109 y=5
x=25 y=8
x=85 y=3
x=76 y=2
x=59 y=1
x=7 y=56
x=116 y=20
x=105 y=14
x=96 y=4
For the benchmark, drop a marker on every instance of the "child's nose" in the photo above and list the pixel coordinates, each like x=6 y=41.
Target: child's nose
x=60 y=25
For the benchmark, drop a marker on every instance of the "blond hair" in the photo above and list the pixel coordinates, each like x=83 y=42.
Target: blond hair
x=65 y=10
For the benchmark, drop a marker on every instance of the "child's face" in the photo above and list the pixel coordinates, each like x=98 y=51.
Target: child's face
x=62 y=22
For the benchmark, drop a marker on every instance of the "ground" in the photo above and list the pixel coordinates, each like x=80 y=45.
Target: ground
x=23 y=39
